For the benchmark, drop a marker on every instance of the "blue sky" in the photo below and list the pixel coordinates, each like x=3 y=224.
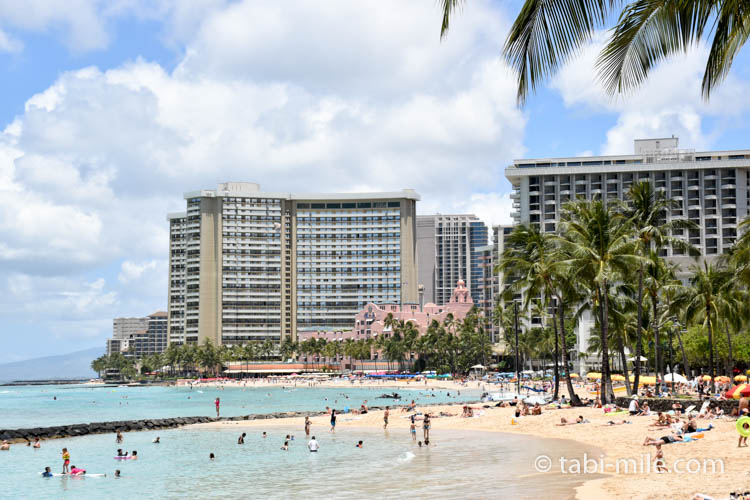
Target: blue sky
x=109 y=111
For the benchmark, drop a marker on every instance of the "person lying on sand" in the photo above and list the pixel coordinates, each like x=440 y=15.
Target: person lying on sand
x=672 y=438
x=615 y=422
x=579 y=420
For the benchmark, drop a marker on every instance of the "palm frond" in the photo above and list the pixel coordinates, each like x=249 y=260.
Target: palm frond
x=546 y=33
x=647 y=32
x=448 y=8
x=732 y=31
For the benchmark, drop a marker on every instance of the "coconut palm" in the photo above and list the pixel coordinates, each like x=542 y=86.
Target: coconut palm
x=533 y=260
x=648 y=209
x=705 y=299
x=599 y=249
x=547 y=33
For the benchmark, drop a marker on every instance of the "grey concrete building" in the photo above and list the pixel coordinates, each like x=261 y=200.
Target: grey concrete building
x=447 y=246
x=139 y=337
x=711 y=188
x=250 y=265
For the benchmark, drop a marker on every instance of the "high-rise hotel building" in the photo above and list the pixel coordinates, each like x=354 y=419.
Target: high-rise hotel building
x=710 y=188
x=249 y=265
x=448 y=248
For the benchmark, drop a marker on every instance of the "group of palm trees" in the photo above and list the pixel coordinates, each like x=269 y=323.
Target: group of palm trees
x=451 y=346
x=607 y=258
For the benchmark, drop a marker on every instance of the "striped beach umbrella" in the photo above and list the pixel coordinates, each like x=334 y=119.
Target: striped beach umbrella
x=723 y=379
x=618 y=378
x=593 y=375
x=738 y=391
x=740 y=378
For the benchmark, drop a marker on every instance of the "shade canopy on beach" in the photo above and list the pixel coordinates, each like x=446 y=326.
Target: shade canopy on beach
x=593 y=375
x=644 y=380
x=477 y=367
x=618 y=378
x=642 y=358
x=740 y=378
x=675 y=377
x=738 y=391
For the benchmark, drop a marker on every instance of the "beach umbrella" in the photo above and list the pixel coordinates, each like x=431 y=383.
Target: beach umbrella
x=593 y=375
x=618 y=378
x=644 y=380
x=574 y=375
x=477 y=367
x=740 y=378
x=723 y=379
x=677 y=378
x=738 y=391
x=706 y=378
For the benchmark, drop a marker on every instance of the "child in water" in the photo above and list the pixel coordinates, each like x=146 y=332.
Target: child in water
x=66 y=461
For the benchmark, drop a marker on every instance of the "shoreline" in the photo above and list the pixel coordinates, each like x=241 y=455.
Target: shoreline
x=619 y=443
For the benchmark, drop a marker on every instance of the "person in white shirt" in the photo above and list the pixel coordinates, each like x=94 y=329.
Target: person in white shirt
x=633 y=407
x=313 y=445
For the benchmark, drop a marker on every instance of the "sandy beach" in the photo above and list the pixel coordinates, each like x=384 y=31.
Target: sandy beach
x=699 y=462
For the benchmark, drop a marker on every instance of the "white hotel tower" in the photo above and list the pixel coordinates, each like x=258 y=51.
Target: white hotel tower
x=248 y=265
x=711 y=188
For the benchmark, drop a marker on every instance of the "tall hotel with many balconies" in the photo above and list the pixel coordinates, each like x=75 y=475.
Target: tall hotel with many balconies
x=710 y=188
x=248 y=265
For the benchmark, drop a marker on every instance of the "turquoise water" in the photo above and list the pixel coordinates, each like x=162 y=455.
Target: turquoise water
x=35 y=406
x=458 y=465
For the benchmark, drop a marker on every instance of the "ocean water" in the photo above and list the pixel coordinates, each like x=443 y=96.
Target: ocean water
x=35 y=406
x=456 y=465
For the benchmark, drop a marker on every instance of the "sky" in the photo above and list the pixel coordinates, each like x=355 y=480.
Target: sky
x=111 y=109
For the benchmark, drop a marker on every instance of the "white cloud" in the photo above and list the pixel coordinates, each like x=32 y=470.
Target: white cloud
x=131 y=271
x=668 y=102
x=364 y=98
x=9 y=43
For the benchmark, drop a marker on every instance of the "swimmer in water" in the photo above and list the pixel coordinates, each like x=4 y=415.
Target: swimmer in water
x=211 y=456
x=264 y=434
x=359 y=444
x=241 y=439
x=156 y=440
x=285 y=446
x=117 y=473
x=134 y=455
x=47 y=472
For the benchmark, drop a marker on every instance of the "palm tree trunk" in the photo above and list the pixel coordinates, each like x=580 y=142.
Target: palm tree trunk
x=685 y=365
x=729 y=351
x=711 y=369
x=659 y=365
x=608 y=393
x=639 y=333
x=574 y=399
x=557 y=357
x=623 y=360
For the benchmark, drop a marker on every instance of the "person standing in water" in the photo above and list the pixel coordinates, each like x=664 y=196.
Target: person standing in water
x=313 y=445
x=426 y=426
x=118 y=439
x=307 y=426
x=66 y=460
x=217 y=403
x=385 y=416
x=241 y=439
x=333 y=420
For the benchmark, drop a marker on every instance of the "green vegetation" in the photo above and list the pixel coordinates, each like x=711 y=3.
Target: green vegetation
x=547 y=33
x=607 y=258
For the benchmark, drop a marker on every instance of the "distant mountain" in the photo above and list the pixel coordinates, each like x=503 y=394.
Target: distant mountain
x=65 y=366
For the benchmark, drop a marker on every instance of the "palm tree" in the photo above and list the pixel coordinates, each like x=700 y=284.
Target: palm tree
x=705 y=299
x=600 y=249
x=99 y=364
x=547 y=33
x=533 y=260
x=648 y=209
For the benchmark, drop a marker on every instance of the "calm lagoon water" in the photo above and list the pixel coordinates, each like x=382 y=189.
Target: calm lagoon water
x=35 y=406
x=458 y=465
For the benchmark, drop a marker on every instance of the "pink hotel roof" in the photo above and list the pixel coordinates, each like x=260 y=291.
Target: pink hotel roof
x=370 y=321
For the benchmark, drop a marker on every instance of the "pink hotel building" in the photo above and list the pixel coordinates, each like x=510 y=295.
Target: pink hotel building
x=370 y=321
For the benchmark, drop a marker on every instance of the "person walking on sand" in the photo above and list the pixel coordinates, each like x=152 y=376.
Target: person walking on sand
x=217 y=403
x=385 y=416
x=307 y=426
x=333 y=420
